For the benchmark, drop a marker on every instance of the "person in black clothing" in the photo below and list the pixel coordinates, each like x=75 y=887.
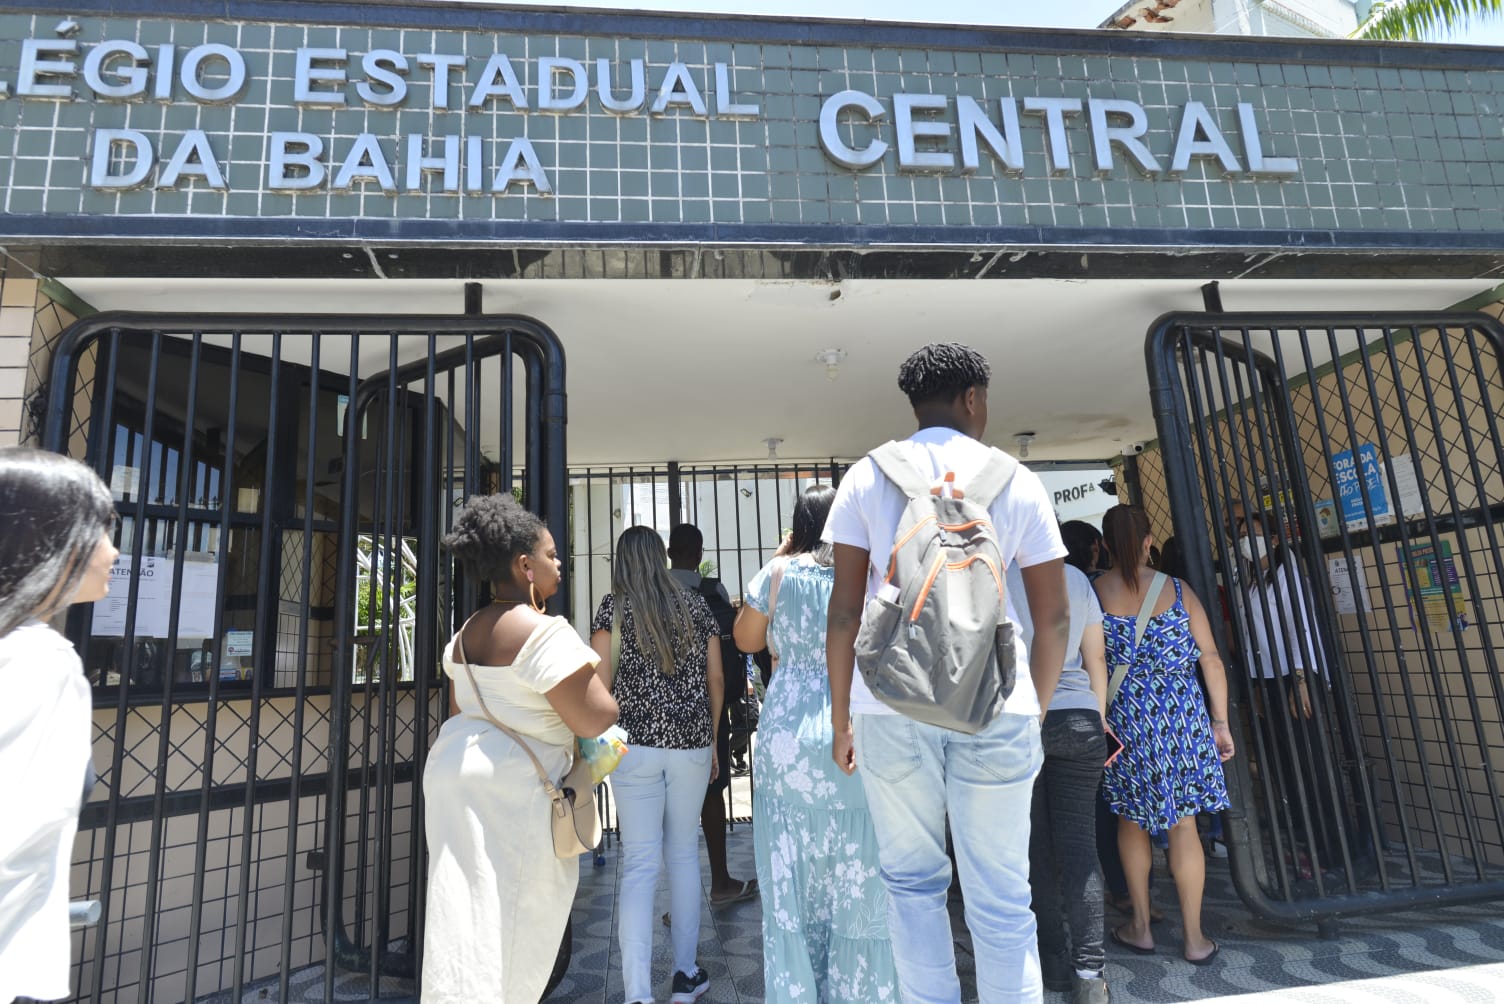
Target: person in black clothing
x=686 y=548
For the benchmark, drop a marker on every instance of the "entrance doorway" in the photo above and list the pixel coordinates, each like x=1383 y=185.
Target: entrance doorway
x=1360 y=454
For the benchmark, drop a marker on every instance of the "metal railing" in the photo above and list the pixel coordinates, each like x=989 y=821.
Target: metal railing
x=262 y=807
x=1368 y=445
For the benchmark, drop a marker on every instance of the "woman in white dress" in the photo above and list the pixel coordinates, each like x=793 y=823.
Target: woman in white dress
x=498 y=896
x=56 y=550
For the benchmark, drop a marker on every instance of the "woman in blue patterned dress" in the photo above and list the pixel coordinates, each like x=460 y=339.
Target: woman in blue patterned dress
x=1171 y=765
x=824 y=906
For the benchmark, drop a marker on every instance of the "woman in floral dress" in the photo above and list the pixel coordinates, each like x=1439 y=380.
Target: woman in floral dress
x=824 y=907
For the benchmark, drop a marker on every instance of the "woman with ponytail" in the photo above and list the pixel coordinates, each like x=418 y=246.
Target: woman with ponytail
x=1173 y=749
x=661 y=656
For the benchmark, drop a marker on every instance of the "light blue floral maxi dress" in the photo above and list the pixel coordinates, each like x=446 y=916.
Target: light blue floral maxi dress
x=824 y=907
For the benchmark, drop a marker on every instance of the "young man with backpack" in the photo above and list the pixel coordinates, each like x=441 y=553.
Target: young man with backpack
x=942 y=719
x=686 y=548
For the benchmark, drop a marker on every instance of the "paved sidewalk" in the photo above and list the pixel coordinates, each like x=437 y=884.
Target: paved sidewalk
x=1438 y=956
x=1426 y=957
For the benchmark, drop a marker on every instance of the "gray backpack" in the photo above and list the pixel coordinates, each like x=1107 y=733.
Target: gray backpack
x=935 y=643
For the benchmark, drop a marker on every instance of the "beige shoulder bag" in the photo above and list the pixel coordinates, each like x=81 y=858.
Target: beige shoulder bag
x=575 y=820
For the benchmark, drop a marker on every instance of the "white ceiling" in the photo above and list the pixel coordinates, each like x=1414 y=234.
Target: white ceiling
x=705 y=370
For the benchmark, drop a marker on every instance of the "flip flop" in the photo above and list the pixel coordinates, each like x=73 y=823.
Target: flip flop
x=747 y=890
x=1206 y=959
x=1119 y=940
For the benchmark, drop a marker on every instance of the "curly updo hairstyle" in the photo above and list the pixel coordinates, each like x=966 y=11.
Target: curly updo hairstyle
x=489 y=533
x=942 y=371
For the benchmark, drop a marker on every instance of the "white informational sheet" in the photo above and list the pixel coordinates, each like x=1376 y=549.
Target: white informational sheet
x=1348 y=591
x=240 y=644
x=1407 y=480
x=196 y=606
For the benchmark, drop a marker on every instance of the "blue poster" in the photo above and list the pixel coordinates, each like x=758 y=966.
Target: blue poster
x=1349 y=489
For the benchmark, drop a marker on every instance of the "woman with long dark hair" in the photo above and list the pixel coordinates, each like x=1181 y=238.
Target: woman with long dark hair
x=1171 y=765
x=824 y=905
x=56 y=550
x=498 y=895
x=661 y=656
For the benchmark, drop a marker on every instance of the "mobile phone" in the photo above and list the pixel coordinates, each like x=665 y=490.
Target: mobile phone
x=1114 y=744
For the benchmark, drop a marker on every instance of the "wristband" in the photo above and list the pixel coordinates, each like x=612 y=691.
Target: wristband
x=1219 y=721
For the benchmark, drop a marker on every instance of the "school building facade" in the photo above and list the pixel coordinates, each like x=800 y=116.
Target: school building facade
x=295 y=277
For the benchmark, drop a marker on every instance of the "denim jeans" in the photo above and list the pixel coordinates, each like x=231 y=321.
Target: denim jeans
x=1063 y=869
x=916 y=774
x=658 y=795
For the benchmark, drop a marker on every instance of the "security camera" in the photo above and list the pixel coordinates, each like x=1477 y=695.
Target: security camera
x=1108 y=486
x=1133 y=449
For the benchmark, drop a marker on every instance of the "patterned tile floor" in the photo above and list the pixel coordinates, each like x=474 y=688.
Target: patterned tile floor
x=1436 y=956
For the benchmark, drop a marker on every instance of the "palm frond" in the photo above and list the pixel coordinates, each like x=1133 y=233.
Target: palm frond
x=1416 y=20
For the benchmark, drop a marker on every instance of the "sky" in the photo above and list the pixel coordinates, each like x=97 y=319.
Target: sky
x=1044 y=14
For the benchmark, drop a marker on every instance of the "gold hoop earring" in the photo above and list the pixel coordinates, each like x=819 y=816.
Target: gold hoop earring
x=532 y=594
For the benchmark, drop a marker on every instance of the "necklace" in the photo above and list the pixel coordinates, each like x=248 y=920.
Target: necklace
x=499 y=602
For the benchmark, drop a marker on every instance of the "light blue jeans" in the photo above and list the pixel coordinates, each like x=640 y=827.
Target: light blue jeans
x=914 y=774
x=658 y=795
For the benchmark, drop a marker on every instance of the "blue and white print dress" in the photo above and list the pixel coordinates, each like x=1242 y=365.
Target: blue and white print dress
x=824 y=906
x=1169 y=768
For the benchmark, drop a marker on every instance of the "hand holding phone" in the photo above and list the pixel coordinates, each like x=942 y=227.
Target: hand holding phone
x=1114 y=744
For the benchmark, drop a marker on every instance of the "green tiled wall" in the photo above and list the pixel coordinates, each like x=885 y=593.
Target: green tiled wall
x=1379 y=148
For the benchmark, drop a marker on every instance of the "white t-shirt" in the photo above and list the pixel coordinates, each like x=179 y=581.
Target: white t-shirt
x=1074 y=690
x=1268 y=655
x=868 y=508
x=45 y=727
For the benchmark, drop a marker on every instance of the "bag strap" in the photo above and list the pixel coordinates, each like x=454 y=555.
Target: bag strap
x=992 y=480
x=896 y=466
x=775 y=580
x=1151 y=596
x=548 y=784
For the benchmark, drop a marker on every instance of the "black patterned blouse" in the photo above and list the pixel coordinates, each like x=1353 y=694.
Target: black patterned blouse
x=658 y=709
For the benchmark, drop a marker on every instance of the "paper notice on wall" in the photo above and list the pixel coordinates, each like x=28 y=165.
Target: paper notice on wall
x=1409 y=501
x=240 y=644
x=124 y=481
x=1434 y=586
x=1358 y=478
x=196 y=606
x=1349 y=584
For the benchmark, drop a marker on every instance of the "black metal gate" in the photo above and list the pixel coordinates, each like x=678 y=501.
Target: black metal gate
x=266 y=669
x=1369 y=448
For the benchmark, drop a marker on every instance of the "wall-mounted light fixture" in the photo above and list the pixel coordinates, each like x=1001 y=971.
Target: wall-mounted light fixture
x=1023 y=439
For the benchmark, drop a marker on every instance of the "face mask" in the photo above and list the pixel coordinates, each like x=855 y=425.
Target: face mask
x=1253 y=548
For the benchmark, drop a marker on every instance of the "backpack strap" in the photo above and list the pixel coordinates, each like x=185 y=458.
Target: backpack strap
x=992 y=480
x=1151 y=596
x=896 y=466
